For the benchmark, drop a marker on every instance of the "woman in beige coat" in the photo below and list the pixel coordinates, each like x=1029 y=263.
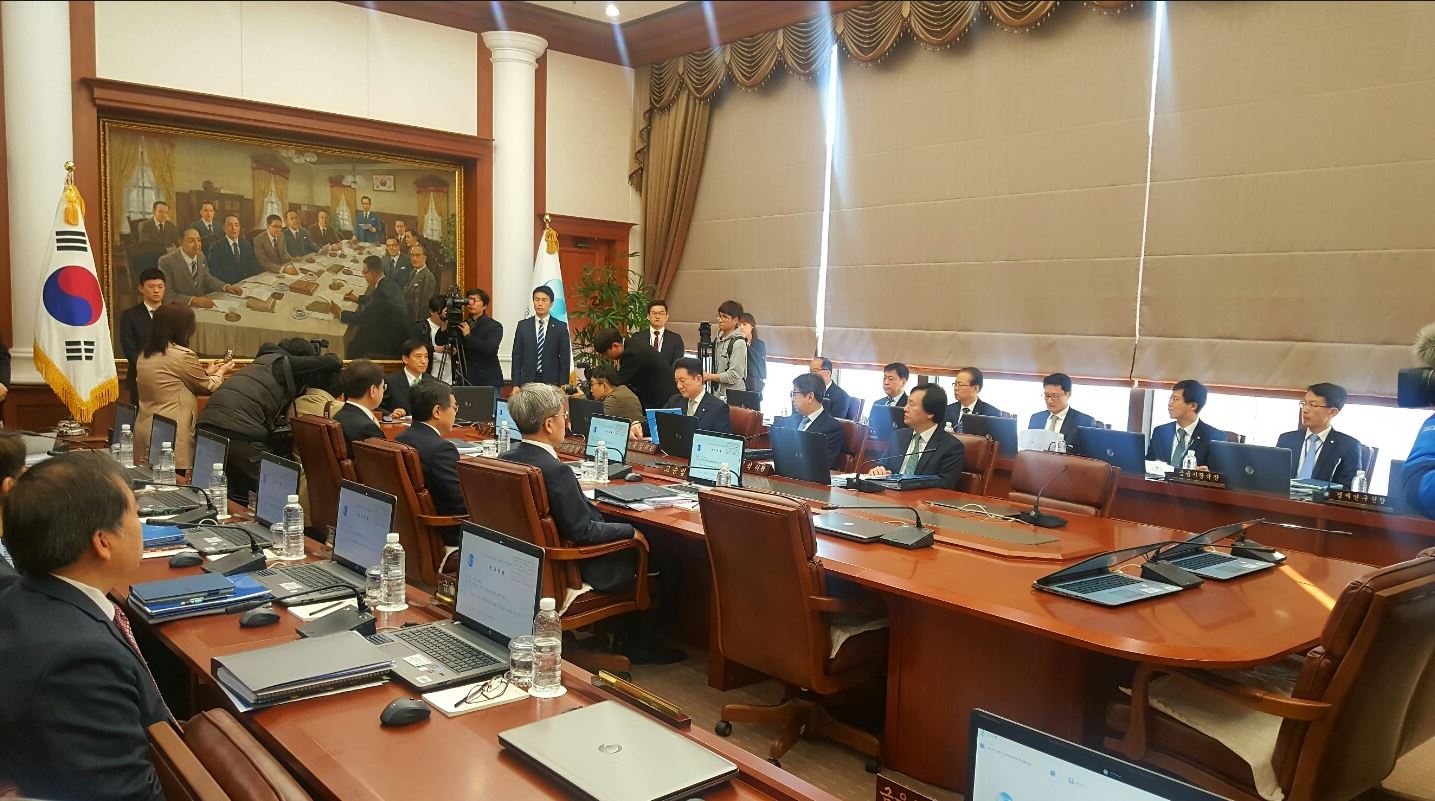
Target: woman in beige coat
x=169 y=376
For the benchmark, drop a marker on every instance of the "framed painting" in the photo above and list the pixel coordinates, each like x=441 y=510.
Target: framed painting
x=267 y=239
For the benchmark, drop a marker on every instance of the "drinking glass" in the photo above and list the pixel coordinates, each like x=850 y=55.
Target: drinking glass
x=521 y=651
x=373 y=584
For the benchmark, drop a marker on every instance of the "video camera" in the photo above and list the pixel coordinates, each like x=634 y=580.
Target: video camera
x=453 y=305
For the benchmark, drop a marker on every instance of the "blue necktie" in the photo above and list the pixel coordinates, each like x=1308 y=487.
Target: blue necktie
x=1178 y=454
x=1307 y=464
x=539 y=367
x=802 y=426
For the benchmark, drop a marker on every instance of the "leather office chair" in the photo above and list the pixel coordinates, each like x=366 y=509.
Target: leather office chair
x=511 y=498
x=1365 y=696
x=774 y=615
x=1088 y=487
x=394 y=467
x=854 y=409
x=854 y=444
x=319 y=443
x=1232 y=436
x=217 y=759
x=980 y=463
x=1368 y=455
x=745 y=422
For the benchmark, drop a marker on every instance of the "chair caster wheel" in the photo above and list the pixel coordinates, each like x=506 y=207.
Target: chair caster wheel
x=873 y=765
x=775 y=763
x=723 y=728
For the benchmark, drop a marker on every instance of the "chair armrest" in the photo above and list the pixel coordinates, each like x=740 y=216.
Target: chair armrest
x=580 y=552
x=1256 y=699
x=830 y=605
x=440 y=521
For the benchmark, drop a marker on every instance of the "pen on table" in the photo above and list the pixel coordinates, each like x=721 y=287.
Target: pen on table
x=331 y=607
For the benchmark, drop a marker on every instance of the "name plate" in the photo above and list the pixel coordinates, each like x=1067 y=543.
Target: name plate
x=889 y=789
x=1200 y=478
x=1368 y=501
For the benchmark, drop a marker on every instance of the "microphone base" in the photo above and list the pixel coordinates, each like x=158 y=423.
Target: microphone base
x=1040 y=519
x=909 y=537
x=241 y=561
x=1261 y=553
x=345 y=619
x=1167 y=573
x=192 y=517
x=863 y=485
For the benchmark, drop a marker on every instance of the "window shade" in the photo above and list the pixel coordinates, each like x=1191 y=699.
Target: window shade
x=987 y=203
x=1293 y=180
x=757 y=221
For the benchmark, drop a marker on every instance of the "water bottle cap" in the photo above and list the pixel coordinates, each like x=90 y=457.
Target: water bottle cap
x=548 y=605
x=724 y=466
x=125 y=427
x=602 y=444
x=166 y=445
x=219 y=465
x=292 y=499
x=393 y=536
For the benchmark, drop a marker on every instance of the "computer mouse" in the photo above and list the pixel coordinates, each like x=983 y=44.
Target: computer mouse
x=633 y=477
x=186 y=559
x=403 y=711
x=259 y=616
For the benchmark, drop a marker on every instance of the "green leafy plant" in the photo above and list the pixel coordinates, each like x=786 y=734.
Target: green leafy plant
x=601 y=301
x=450 y=241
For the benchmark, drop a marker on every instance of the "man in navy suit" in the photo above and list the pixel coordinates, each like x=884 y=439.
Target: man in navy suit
x=362 y=383
x=206 y=226
x=807 y=400
x=367 y=225
x=12 y=464
x=434 y=413
x=923 y=448
x=231 y=257
x=695 y=400
x=968 y=390
x=415 y=357
x=834 y=398
x=894 y=396
x=135 y=323
x=296 y=237
x=1059 y=416
x=1318 y=451
x=1170 y=442
x=657 y=336
x=77 y=696
x=541 y=350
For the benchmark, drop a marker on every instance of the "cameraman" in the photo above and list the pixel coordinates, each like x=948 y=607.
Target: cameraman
x=482 y=336
x=1419 y=475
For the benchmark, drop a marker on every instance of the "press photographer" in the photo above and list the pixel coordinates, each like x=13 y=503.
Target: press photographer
x=1416 y=390
x=481 y=336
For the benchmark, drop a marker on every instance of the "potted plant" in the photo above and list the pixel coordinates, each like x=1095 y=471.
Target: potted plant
x=600 y=301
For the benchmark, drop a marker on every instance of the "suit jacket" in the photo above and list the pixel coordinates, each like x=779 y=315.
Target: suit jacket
x=836 y=400
x=207 y=231
x=298 y=242
x=179 y=286
x=947 y=458
x=647 y=372
x=271 y=254
x=8 y=575
x=223 y=264
x=4 y=364
x=1337 y=460
x=898 y=404
x=417 y=292
x=382 y=323
x=362 y=219
x=1072 y=421
x=440 y=461
x=134 y=330
x=671 y=345
x=712 y=412
x=1163 y=439
x=75 y=701
x=557 y=353
x=579 y=521
x=397 y=394
x=150 y=232
x=323 y=236
x=828 y=427
x=357 y=425
x=623 y=403
x=756 y=365
x=954 y=411
x=400 y=269
x=168 y=383
x=480 y=352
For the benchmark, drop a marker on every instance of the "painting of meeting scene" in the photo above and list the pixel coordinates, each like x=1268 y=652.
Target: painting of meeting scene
x=267 y=240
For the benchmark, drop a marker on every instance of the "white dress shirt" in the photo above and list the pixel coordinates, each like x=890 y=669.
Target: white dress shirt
x=366 y=409
x=1305 y=440
x=1176 y=438
x=545 y=446
x=101 y=602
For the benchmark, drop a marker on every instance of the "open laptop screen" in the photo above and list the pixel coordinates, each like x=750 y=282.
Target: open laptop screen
x=162 y=430
x=125 y=415
x=499 y=578
x=712 y=451
x=362 y=526
x=613 y=432
x=502 y=416
x=278 y=479
x=209 y=450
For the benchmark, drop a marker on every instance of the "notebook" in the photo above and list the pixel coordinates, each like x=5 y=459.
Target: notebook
x=301 y=668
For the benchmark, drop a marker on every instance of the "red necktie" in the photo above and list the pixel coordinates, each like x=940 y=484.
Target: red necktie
x=122 y=622
x=655 y=340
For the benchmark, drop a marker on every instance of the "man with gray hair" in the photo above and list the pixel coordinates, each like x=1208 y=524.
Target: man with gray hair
x=537 y=410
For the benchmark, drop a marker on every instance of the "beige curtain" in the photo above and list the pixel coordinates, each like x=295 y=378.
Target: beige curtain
x=676 y=145
x=339 y=192
x=160 y=152
x=265 y=175
x=123 y=153
x=432 y=196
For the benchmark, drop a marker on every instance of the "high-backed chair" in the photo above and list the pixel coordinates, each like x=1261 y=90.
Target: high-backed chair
x=394 y=467
x=319 y=442
x=979 y=465
x=217 y=759
x=854 y=409
x=1087 y=487
x=774 y=615
x=854 y=444
x=511 y=498
x=745 y=422
x=1368 y=455
x=1363 y=698
x=1232 y=436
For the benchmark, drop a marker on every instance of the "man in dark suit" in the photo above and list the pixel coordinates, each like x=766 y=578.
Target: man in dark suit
x=1318 y=451
x=894 y=396
x=12 y=464
x=367 y=225
x=77 y=696
x=807 y=400
x=657 y=336
x=296 y=238
x=1187 y=432
x=4 y=371
x=944 y=454
x=416 y=364
x=482 y=337
x=396 y=262
x=695 y=400
x=640 y=368
x=135 y=321
x=434 y=413
x=382 y=323
x=834 y=398
x=206 y=225
x=186 y=274
x=362 y=383
x=160 y=229
x=321 y=233
x=541 y=349
x=269 y=248
x=968 y=389
x=1059 y=416
x=231 y=257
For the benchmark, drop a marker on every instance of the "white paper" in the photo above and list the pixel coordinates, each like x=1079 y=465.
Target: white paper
x=1039 y=439
x=309 y=612
x=164 y=552
x=447 y=701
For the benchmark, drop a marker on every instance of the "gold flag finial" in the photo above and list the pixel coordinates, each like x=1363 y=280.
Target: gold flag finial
x=550 y=236
x=74 y=204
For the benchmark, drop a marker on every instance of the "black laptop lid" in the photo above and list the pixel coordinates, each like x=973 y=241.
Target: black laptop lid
x=125 y=414
x=675 y=434
x=580 y=415
x=800 y=455
x=162 y=430
x=362 y=525
x=1125 y=449
x=499 y=581
x=475 y=404
x=1001 y=429
x=278 y=479
x=1257 y=468
x=209 y=450
x=745 y=399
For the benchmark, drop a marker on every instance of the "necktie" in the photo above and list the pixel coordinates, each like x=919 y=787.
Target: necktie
x=692 y=408
x=194 y=269
x=1307 y=462
x=1178 y=453
x=122 y=622
x=234 y=246
x=914 y=449
x=802 y=426
x=657 y=341
x=274 y=243
x=1052 y=422
x=541 y=335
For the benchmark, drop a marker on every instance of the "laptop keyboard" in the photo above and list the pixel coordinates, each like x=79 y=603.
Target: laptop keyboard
x=308 y=575
x=229 y=535
x=1107 y=582
x=1201 y=560
x=447 y=650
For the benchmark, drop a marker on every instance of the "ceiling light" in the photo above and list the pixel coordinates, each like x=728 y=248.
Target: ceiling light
x=612 y=10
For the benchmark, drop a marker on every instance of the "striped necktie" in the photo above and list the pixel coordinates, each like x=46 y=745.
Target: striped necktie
x=914 y=450
x=122 y=622
x=542 y=334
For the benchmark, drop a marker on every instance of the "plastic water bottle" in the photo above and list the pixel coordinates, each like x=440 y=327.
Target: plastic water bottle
x=393 y=597
x=115 y=450
x=724 y=476
x=504 y=437
x=127 y=447
x=1188 y=462
x=948 y=428
x=292 y=543
x=600 y=463
x=1360 y=483
x=219 y=491
x=548 y=651
x=164 y=471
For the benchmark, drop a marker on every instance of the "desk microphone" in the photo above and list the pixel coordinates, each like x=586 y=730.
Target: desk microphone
x=239 y=561
x=345 y=619
x=868 y=485
x=182 y=517
x=917 y=536
x=1034 y=515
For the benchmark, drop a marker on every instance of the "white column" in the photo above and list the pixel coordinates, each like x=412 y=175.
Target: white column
x=515 y=66
x=38 y=142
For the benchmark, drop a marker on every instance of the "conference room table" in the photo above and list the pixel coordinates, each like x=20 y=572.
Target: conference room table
x=968 y=631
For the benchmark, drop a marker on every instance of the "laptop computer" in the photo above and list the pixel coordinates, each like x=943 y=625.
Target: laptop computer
x=1093 y=579
x=676 y=434
x=848 y=527
x=475 y=404
x=800 y=455
x=1256 y=468
x=501 y=416
x=1125 y=449
x=209 y=450
x=361 y=529
x=38 y=447
x=608 y=752
x=653 y=422
x=744 y=399
x=1001 y=429
x=161 y=430
x=613 y=433
x=278 y=479
x=1191 y=555
x=125 y=415
x=1007 y=760
x=580 y=415
x=499 y=580
x=710 y=452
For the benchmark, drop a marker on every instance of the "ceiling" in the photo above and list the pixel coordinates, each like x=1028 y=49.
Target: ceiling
x=597 y=9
